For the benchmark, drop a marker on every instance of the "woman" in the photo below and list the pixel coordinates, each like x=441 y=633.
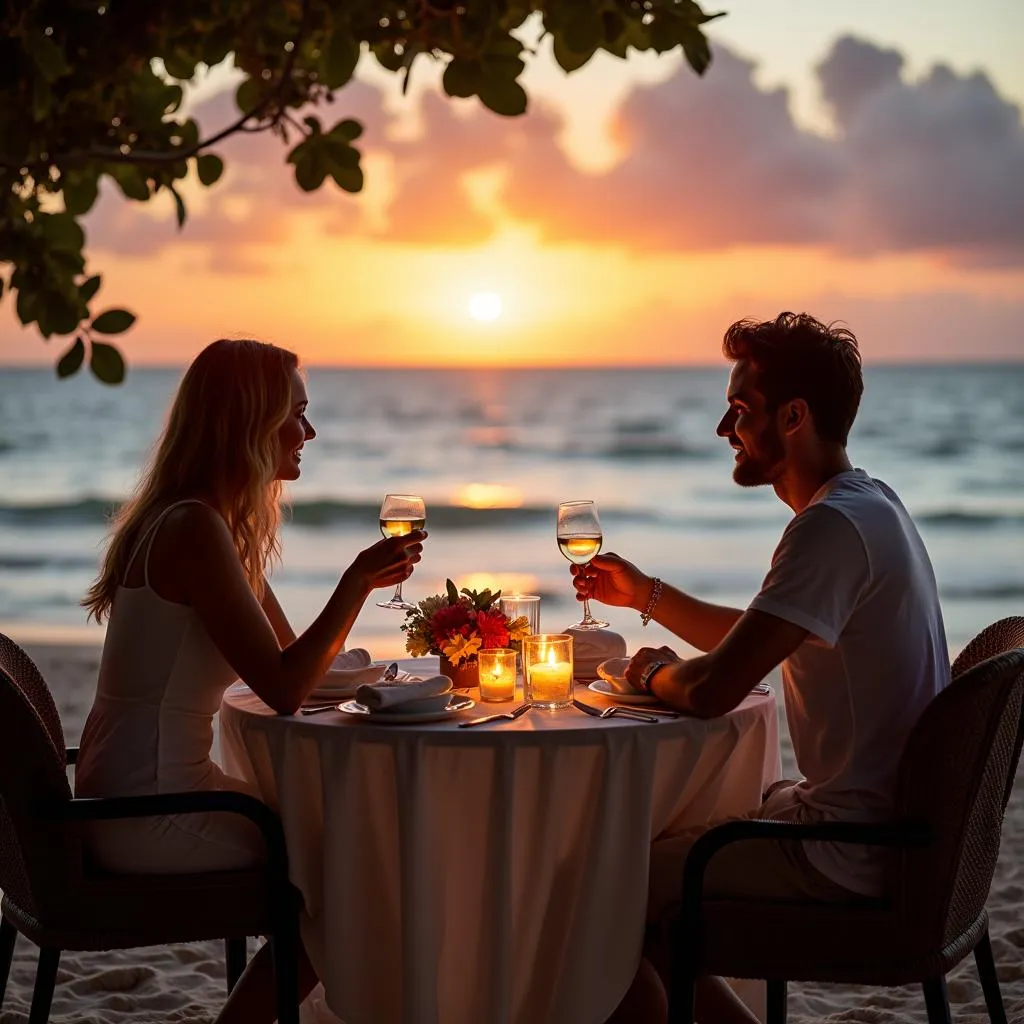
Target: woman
x=190 y=611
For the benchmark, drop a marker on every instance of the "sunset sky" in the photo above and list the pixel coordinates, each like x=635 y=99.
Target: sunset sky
x=859 y=159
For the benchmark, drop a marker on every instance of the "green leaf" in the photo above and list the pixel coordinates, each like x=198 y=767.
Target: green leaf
x=504 y=96
x=248 y=95
x=569 y=60
x=71 y=361
x=313 y=124
x=64 y=317
x=113 y=321
x=62 y=232
x=453 y=594
x=311 y=170
x=180 y=64
x=696 y=48
x=339 y=60
x=80 y=191
x=348 y=178
x=347 y=129
x=106 y=363
x=462 y=77
x=87 y=289
x=27 y=304
x=210 y=168
x=584 y=30
x=131 y=180
x=179 y=206
x=47 y=56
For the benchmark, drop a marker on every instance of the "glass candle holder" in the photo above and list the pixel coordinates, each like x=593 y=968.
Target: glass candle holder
x=547 y=670
x=497 y=674
x=522 y=604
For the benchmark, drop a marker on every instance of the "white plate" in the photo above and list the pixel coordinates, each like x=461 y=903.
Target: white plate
x=602 y=686
x=353 y=707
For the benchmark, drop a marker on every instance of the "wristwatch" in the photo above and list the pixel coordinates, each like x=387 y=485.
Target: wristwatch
x=645 y=676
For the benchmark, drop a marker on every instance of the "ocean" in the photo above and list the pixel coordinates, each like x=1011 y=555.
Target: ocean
x=493 y=451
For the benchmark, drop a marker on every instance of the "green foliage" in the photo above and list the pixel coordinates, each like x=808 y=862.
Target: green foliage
x=90 y=88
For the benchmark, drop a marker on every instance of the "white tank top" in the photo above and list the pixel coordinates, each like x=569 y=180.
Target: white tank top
x=161 y=680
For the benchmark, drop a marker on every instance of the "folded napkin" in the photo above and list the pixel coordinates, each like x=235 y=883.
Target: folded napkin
x=384 y=696
x=590 y=647
x=348 y=670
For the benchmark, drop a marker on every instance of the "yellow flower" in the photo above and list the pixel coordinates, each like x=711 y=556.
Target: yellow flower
x=416 y=645
x=462 y=647
x=519 y=629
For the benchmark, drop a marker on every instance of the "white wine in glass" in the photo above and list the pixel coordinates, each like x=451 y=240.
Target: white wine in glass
x=400 y=514
x=579 y=539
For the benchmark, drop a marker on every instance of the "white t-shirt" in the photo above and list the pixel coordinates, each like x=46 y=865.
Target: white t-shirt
x=852 y=569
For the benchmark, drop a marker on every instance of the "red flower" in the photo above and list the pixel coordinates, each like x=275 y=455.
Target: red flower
x=493 y=627
x=447 y=620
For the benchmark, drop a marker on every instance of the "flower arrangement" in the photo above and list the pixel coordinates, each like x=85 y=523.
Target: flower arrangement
x=458 y=624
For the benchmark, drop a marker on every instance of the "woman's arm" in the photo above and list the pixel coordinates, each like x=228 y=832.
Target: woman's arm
x=278 y=620
x=207 y=572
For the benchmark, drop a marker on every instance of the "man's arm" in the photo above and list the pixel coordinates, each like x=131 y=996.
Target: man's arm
x=714 y=683
x=700 y=623
x=612 y=580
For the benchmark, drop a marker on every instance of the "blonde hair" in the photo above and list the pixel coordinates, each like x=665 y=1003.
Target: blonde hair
x=221 y=438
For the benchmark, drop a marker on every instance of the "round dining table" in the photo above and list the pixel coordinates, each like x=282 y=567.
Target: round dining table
x=495 y=873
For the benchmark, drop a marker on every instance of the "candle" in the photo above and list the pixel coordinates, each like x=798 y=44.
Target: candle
x=550 y=681
x=547 y=670
x=497 y=674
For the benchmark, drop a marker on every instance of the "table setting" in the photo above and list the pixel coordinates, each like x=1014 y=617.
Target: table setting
x=483 y=810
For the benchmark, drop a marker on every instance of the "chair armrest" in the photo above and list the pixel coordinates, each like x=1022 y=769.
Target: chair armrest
x=71 y=755
x=718 y=836
x=195 y=802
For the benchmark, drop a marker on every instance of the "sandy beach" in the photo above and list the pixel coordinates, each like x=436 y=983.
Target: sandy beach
x=186 y=983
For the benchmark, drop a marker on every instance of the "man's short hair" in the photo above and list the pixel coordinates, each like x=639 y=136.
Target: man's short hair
x=797 y=356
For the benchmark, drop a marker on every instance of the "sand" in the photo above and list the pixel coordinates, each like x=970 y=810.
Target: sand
x=186 y=983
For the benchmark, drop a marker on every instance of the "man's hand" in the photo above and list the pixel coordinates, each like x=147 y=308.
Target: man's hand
x=646 y=656
x=611 y=580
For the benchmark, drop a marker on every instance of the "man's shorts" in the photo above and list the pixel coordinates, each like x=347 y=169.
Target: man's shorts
x=774 y=870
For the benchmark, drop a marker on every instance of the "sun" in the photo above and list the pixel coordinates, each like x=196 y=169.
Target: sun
x=485 y=306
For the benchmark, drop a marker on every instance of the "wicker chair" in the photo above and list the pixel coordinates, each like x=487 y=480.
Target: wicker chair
x=54 y=896
x=954 y=781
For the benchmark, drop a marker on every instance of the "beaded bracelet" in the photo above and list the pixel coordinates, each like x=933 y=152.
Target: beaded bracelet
x=656 y=589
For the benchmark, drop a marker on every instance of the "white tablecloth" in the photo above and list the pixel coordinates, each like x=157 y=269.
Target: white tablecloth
x=495 y=874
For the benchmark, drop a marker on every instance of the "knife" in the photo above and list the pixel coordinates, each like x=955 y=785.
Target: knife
x=510 y=716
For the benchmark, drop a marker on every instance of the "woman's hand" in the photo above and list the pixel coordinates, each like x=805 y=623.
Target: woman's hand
x=388 y=562
x=611 y=580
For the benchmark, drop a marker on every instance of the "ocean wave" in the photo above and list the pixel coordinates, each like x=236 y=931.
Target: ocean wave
x=83 y=511
x=22 y=563
x=651 y=446
x=953 y=517
x=983 y=591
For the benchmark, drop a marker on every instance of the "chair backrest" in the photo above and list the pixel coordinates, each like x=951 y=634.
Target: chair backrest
x=956 y=772
x=40 y=863
x=1004 y=635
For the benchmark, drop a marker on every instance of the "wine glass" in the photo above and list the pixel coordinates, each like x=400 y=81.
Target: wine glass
x=400 y=514
x=579 y=539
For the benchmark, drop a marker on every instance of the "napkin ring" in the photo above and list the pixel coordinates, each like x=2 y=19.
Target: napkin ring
x=656 y=591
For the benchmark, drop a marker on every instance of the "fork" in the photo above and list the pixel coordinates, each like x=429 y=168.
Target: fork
x=615 y=711
x=510 y=716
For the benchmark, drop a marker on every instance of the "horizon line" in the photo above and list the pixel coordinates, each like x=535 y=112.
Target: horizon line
x=976 y=361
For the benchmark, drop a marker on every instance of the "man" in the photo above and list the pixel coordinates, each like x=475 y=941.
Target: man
x=849 y=608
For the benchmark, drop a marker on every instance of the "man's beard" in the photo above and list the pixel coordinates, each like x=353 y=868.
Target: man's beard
x=763 y=468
